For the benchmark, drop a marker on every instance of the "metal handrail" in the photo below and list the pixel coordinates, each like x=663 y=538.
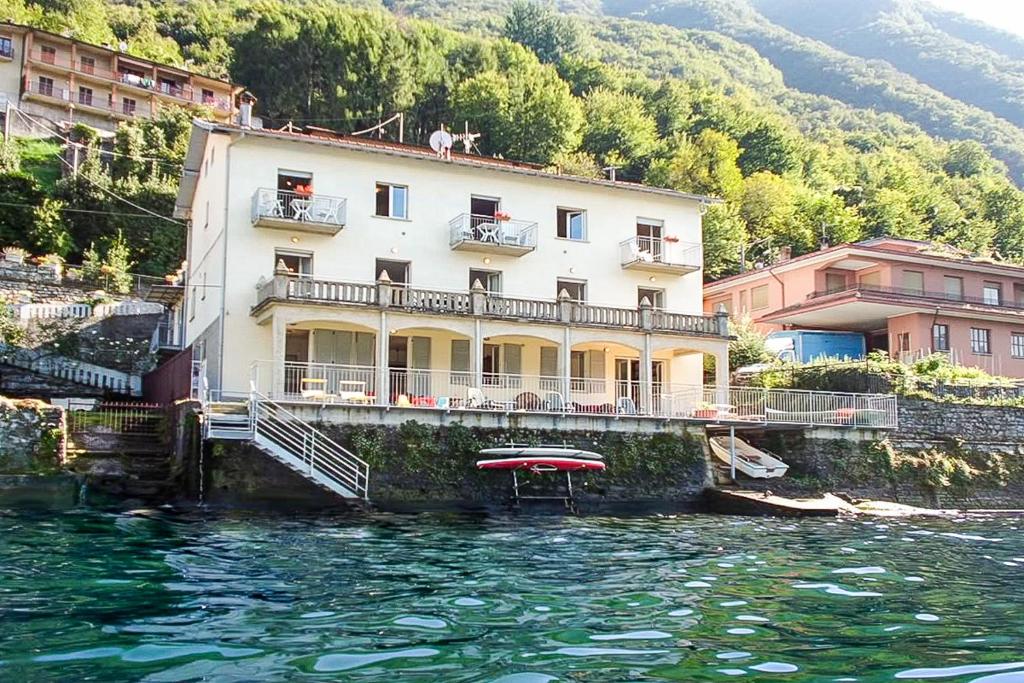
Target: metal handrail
x=315 y=450
x=661 y=250
x=471 y=227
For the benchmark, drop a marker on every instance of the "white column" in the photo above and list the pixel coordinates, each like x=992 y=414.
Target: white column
x=380 y=360
x=722 y=374
x=646 y=388
x=478 y=355
x=566 y=363
x=279 y=329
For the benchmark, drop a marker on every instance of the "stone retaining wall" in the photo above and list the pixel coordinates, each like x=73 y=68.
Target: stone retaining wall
x=31 y=437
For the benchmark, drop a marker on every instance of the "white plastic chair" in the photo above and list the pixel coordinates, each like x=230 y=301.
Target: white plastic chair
x=625 y=405
x=555 y=402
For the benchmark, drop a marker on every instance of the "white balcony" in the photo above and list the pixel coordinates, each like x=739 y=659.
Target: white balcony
x=286 y=210
x=473 y=232
x=661 y=255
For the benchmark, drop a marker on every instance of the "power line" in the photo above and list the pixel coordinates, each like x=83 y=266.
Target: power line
x=89 y=180
x=15 y=205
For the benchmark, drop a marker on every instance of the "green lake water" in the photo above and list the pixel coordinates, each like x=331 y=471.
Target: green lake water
x=216 y=596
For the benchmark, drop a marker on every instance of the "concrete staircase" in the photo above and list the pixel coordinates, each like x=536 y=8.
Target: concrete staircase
x=291 y=441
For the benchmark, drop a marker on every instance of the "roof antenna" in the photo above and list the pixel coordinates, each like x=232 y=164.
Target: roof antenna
x=611 y=172
x=466 y=138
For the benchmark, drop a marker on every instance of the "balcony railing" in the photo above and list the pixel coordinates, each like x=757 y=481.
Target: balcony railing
x=658 y=254
x=445 y=389
x=293 y=211
x=287 y=288
x=945 y=297
x=47 y=90
x=474 y=232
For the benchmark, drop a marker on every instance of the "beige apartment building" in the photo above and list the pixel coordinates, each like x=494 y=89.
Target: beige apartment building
x=65 y=81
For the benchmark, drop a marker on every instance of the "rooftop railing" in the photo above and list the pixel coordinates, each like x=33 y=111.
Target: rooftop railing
x=478 y=302
x=947 y=297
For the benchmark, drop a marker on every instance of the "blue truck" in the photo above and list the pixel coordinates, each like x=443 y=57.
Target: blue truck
x=803 y=346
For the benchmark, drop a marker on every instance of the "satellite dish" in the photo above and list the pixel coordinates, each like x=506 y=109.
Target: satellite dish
x=441 y=142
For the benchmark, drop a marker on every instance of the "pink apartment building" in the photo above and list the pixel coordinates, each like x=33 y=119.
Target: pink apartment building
x=907 y=297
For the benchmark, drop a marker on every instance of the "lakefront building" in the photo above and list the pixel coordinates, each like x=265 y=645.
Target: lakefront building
x=64 y=81
x=907 y=297
x=350 y=270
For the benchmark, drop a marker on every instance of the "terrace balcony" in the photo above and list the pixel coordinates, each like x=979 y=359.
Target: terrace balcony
x=474 y=232
x=661 y=255
x=440 y=389
x=287 y=210
x=287 y=289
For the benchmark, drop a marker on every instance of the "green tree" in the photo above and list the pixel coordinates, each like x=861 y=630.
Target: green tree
x=967 y=158
x=723 y=232
x=537 y=27
x=20 y=196
x=705 y=164
x=619 y=128
x=747 y=347
x=768 y=147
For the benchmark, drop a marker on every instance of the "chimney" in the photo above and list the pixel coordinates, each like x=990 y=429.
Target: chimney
x=245 y=103
x=785 y=253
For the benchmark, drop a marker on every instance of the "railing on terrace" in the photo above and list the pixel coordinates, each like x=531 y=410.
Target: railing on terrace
x=286 y=205
x=47 y=89
x=166 y=335
x=660 y=252
x=486 y=230
x=950 y=297
x=458 y=390
x=485 y=304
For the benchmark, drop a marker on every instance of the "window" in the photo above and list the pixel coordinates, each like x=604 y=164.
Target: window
x=192 y=304
x=903 y=342
x=84 y=95
x=490 y=279
x=1017 y=344
x=297 y=262
x=500 y=361
x=461 y=373
x=484 y=207
x=207 y=96
x=169 y=86
x=206 y=221
x=398 y=271
x=586 y=371
x=835 y=282
x=870 y=280
x=954 y=287
x=202 y=295
x=980 y=340
x=940 y=337
x=128 y=106
x=648 y=237
x=86 y=65
x=6 y=47
x=45 y=86
x=656 y=297
x=572 y=224
x=391 y=201
x=744 y=307
x=759 y=297
x=48 y=54
x=913 y=281
x=577 y=289
x=992 y=293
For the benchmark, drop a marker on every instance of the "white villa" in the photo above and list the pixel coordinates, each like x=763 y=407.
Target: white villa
x=349 y=270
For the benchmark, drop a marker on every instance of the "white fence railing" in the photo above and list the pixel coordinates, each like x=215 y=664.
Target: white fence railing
x=661 y=251
x=73 y=370
x=287 y=205
x=458 y=389
x=53 y=311
x=487 y=230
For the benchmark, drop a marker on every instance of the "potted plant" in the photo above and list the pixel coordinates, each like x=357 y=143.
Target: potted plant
x=671 y=238
x=501 y=216
x=705 y=411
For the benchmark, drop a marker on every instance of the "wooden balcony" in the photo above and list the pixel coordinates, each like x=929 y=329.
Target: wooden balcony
x=285 y=210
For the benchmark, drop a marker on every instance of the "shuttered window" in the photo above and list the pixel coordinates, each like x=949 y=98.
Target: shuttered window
x=341 y=347
x=549 y=361
x=513 y=357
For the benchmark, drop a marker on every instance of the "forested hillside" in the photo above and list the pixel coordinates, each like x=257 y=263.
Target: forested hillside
x=692 y=109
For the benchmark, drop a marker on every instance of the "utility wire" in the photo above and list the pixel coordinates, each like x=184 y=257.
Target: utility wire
x=15 y=205
x=89 y=180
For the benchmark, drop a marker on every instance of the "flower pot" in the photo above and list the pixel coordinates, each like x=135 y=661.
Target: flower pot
x=706 y=413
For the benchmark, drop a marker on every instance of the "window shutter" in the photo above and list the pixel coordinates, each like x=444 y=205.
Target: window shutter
x=343 y=348
x=549 y=361
x=596 y=364
x=323 y=346
x=513 y=357
x=420 y=353
x=460 y=355
x=364 y=348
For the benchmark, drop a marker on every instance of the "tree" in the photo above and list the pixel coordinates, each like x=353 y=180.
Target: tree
x=619 y=128
x=705 y=164
x=747 y=346
x=550 y=36
x=723 y=232
x=523 y=109
x=967 y=158
x=20 y=194
x=769 y=148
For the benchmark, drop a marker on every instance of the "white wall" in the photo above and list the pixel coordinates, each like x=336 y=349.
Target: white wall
x=438 y=191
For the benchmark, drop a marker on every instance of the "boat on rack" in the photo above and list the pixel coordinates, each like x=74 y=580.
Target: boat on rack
x=538 y=460
x=749 y=460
